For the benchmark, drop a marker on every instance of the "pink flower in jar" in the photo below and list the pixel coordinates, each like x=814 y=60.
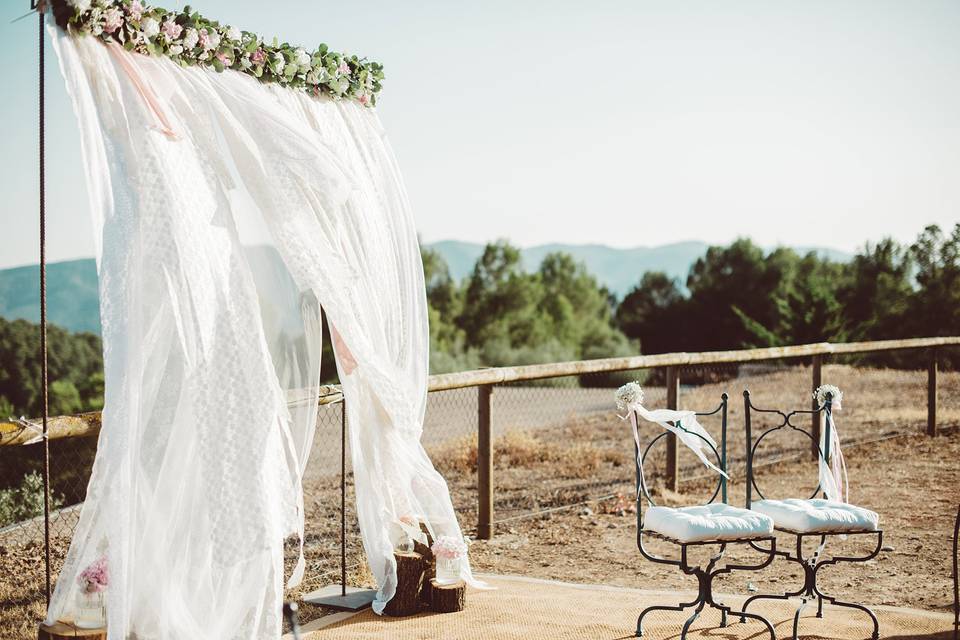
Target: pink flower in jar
x=96 y=577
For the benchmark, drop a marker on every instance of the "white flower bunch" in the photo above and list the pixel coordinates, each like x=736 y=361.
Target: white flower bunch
x=836 y=396
x=629 y=395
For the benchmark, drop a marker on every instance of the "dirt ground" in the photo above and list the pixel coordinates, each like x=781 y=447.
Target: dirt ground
x=913 y=482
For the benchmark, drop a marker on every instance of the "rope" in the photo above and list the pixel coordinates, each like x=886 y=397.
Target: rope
x=43 y=308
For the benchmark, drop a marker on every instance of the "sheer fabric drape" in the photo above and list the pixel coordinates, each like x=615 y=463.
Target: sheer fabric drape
x=227 y=214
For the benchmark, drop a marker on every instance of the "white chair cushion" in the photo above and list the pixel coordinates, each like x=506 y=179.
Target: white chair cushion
x=817 y=515
x=708 y=522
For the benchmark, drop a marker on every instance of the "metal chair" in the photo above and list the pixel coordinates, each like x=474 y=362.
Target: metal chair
x=821 y=530
x=703 y=574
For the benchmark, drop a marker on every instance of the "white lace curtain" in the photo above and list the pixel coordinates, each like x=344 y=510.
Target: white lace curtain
x=227 y=213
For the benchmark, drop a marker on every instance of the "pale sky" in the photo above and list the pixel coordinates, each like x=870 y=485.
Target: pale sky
x=803 y=122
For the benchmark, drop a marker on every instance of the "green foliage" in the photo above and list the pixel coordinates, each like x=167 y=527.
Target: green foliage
x=502 y=314
x=741 y=297
x=75 y=362
x=25 y=501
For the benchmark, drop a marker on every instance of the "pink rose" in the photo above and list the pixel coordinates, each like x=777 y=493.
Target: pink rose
x=344 y=67
x=258 y=57
x=112 y=20
x=364 y=99
x=135 y=10
x=171 y=29
x=224 y=58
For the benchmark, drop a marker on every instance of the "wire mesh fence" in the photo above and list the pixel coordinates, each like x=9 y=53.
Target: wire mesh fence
x=557 y=443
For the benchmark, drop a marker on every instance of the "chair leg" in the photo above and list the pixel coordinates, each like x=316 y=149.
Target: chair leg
x=852 y=605
x=690 y=620
x=643 y=614
x=705 y=598
x=743 y=615
x=810 y=590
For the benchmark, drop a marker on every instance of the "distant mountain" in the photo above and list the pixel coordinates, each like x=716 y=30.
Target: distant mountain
x=619 y=269
x=72 y=294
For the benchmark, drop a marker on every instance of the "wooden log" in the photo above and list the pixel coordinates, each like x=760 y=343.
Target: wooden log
x=406 y=601
x=65 y=631
x=447 y=598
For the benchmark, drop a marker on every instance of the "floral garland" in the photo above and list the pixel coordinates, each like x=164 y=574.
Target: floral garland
x=189 y=39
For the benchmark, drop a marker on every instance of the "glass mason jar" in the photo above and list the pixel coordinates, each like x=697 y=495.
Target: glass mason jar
x=448 y=570
x=91 y=610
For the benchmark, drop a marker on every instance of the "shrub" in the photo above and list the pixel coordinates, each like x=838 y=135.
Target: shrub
x=25 y=501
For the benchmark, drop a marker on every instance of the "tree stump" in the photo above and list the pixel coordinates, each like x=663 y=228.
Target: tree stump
x=406 y=601
x=447 y=598
x=66 y=631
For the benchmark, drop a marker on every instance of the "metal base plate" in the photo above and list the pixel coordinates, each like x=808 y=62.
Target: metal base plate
x=331 y=596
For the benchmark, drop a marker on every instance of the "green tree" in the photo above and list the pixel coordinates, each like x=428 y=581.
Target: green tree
x=935 y=308
x=654 y=312
x=500 y=306
x=876 y=294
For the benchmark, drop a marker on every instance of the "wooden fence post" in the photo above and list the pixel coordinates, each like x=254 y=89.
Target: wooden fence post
x=815 y=421
x=673 y=458
x=484 y=463
x=932 y=393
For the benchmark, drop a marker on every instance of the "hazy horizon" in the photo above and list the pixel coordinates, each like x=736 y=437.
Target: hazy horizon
x=621 y=124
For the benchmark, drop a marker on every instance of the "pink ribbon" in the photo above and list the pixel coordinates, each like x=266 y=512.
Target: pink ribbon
x=149 y=97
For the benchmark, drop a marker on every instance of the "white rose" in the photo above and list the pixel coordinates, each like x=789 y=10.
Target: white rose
x=190 y=38
x=317 y=76
x=79 y=5
x=303 y=58
x=176 y=50
x=150 y=27
x=279 y=62
x=234 y=34
x=213 y=40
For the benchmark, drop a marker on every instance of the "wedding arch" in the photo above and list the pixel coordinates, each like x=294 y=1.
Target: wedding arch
x=237 y=186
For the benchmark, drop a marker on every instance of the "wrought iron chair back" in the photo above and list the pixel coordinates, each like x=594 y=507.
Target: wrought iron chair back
x=786 y=422
x=643 y=491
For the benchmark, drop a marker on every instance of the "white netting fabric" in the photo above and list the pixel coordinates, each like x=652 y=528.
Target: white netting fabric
x=217 y=248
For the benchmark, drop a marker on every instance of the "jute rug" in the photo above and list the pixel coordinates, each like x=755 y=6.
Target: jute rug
x=529 y=609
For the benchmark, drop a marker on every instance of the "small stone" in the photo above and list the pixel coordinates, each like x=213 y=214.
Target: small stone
x=752 y=587
x=586 y=511
x=886 y=547
x=612 y=525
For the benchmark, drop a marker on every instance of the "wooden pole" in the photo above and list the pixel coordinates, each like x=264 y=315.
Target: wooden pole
x=932 y=393
x=815 y=420
x=673 y=454
x=484 y=462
